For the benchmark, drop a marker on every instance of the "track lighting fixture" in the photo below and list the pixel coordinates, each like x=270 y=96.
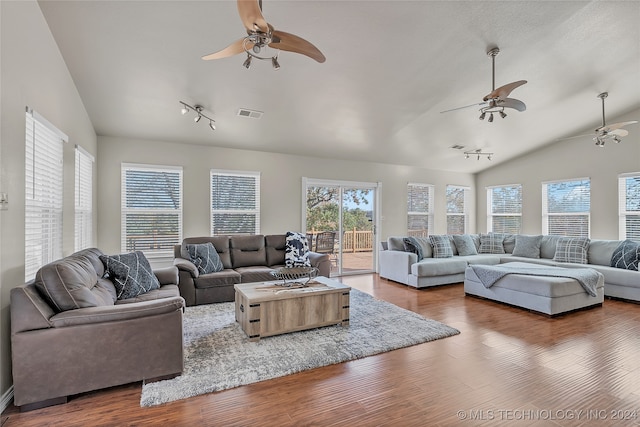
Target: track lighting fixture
x=492 y=109
x=247 y=62
x=478 y=153
x=199 y=110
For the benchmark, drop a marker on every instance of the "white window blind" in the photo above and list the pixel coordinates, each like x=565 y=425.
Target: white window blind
x=629 y=205
x=235 y=202
x=151 y=209
x=419 y=209
x=457 y=209
x=43 y=193
x=566 y=207
x=84 y=199
x=504 y=209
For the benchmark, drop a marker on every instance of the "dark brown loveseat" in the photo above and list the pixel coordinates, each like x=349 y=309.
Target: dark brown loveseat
x=101 y=343
x=245 y=259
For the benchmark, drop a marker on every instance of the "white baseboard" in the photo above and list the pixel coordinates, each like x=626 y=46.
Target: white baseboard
x=7 y=397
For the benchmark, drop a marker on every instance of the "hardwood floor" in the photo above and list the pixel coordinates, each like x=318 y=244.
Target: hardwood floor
x=507 y=367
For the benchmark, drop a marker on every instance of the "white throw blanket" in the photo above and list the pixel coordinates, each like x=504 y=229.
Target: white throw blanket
x=490 y=274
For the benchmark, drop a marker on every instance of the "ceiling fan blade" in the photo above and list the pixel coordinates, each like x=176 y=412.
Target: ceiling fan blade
x=233 y=49
x=574 y=136
x=293 y=43
x=480 y=104
x=503 y=91
x=251 y=16
x=516 y=104
x=619 y=132
x=615 y=126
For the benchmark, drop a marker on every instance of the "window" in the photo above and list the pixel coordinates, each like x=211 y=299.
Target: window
x=235 y=202
x=43 y=193
x=84 y=199
x=504 y=209
x=151 y=209
x=565 y=207
x=457 y=206
x=629 y=205
x=419 y=209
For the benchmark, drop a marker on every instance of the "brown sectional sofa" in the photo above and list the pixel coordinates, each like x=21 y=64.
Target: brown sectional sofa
x=246 y=258
x=103 y=343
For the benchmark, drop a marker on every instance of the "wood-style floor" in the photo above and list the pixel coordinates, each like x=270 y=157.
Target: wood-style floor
x=507 y=367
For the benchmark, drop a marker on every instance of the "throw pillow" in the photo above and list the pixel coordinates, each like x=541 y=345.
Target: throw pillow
x=419 y=246
x=205 y=257
x=572 y=249
x=527 y=246
x=297 y=251
x=626 y=255
x=441 y=246
x=491 y=244
x=130 y=273
x=465 y=244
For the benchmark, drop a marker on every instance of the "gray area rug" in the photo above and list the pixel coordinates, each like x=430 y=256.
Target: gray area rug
x=218 y=355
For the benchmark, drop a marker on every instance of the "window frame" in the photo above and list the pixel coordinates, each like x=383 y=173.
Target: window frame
x=623 y=211
x=429 y=213
x=491 y=215
x=83 y=223
x=546 y=215
x=256 y=176
x=465 y=207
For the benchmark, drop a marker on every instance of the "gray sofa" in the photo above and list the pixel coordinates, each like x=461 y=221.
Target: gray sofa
x=95 y=341
x=245 y=258
x=402 y=266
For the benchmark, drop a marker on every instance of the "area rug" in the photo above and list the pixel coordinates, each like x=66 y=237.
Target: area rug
x=218 y=355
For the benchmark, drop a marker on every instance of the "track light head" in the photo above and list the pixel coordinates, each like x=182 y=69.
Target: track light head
x=482 y=116
x=184 y=110
x=503 y=115
x=197 y=119
x=490 y=118
x=466 y=156
x=489 y=158
x=616 y=139
x=211 y=125
x=247 y=62
x=275 y=63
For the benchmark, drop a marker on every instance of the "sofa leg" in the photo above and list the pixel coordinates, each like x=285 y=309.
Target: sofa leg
x=43 y=404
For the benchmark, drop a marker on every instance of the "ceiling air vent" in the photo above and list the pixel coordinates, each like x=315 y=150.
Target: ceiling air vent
x=457 y=147
x=243 y=112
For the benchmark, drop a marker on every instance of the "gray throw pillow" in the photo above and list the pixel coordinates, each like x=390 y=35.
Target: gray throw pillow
x=572 y=249
x=626 y=255
x=297 y=250
x=465 y=244
x=441 y=246
x=419 y=246
x=491 y=244
x=130 y=273
x=527 y=246
x=205 y=257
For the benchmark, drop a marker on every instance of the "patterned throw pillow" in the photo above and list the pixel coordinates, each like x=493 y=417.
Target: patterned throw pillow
x=441 y=246
x=297 y=252
x=419 y=246
x=527 y=246
x=626 y=255
x=130 y=273
x=205 y=257
x=465 y=244
x=491 y=244
x=572 y=249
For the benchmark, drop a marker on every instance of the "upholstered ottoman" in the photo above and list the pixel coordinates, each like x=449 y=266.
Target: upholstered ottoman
x=541 y=293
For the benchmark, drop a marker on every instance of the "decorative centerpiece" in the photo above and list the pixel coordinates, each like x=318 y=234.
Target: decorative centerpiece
x=292 y=276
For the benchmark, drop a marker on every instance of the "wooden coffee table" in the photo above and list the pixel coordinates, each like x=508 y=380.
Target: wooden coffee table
x=265 y=308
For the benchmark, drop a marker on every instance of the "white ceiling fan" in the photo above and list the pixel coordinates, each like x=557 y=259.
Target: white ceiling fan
x=497 y=100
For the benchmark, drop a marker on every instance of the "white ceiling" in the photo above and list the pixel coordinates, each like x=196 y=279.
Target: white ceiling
x=391 y=67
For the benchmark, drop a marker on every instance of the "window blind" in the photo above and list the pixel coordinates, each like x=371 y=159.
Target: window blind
x=83 y=199
x=44 y=145
x=504 y=206
x=151 y=209
x=566 y=207
x=629 y=206
x=235 y=202
x=457 y=205
x=419 y=209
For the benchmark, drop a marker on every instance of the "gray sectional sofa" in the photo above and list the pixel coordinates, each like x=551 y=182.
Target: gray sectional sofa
x=400 y=265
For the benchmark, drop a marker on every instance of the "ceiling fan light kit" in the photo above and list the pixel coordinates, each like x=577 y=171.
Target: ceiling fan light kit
x=199 y=110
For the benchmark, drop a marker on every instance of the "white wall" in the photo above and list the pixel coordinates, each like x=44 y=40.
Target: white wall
x=33 y=73
x=281 y=185
x=573 y=158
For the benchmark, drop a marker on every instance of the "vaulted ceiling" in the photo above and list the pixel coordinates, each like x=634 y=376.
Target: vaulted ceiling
x=391 y=67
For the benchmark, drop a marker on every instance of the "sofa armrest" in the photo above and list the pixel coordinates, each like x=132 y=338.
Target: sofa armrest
x=167 y=275
x=396 y=265
x=321 y=262
x=186 y=265
x=118 y=312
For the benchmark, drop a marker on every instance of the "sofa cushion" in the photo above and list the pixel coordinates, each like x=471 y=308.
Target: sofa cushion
x=572 y=249
x=441 y=245
x=626 y=255
x=225 y=277
x=71 y=283
x=430 y=267
x=276 y=246
x=130 y=273
x=548 y=245
x=419 y=246
x=247 y=250
x=255 y=274
x=395 y=243
x=205 y=257
x=465 y=245
x=491 y=244
x=297 y=252
x=527 y=246
x=600 y=251
x=221 y=243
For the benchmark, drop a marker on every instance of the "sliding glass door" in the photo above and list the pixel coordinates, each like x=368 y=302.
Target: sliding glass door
x=340 y=219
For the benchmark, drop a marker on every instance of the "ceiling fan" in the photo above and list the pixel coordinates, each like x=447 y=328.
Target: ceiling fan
x=608 y=132
x=261 y=35
x=497 y=100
